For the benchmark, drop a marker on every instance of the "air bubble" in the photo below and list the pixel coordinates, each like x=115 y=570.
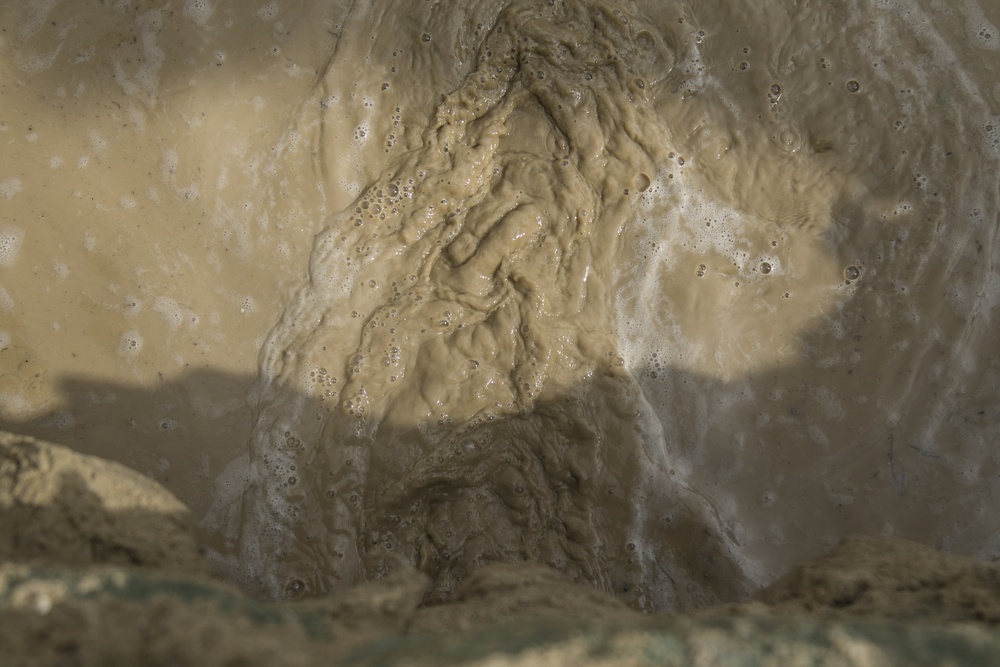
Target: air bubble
x=268 y=11
x=295 y=588
x=853 y=86
x=10 y=187
x=199 y=11
x=130 y=344
x=852 y=272
x=765 y=268
x=10 y=244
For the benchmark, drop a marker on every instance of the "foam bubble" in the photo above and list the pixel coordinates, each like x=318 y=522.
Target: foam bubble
x=97 y=141
x=268 y=11
x=10 y=187
x=131 y=306
x=130 y=344
x=62 y=420
x=33 y=63
x=136 y=117
x=6 y=302
x=170 y=311
x=10 y=244
x=199 y=11
x=4 y=340
x=61 y=270
x=168 y=165
x=991 y=131
x=984 y=34
x=55 y=162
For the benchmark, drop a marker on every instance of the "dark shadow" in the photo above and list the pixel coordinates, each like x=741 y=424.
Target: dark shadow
x=180 y=433
x=62 y=509
x=540 y=483
x=752 y=483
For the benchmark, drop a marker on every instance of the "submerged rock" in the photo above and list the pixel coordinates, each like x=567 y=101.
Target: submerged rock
x=99 y=566
x=59 y=507
x=890 y=578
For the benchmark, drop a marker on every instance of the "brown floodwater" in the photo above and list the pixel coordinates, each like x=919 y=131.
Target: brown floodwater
x=668 y=295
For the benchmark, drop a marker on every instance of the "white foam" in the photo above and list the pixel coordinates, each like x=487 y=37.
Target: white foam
x=985 y=36
x=991 y=131
x=6 y=302
x=143 y=83
x=131 y=306
x=199 y=11
x=97 y=141
x=63 y=420
x=981 y=32
x=136 y=117
x=33 y=63
x=130 y=344
x=268 y=11
x=10 y=187
x=170 y=311
x=10 y=244
x=168 y=165
x=4 y=340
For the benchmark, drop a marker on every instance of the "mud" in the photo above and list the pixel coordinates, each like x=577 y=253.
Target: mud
x=669 y=297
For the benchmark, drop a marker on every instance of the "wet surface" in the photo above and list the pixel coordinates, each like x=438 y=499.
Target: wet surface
x=670 y=297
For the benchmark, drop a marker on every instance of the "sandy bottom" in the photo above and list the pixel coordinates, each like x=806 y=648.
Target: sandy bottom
x=667 y=297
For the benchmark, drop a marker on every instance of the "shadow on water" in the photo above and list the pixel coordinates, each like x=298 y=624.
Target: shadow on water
x=564 y=485
x=179 y=433
x=710 y=498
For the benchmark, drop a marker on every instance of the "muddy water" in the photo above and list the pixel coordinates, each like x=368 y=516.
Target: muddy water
x=668 y=296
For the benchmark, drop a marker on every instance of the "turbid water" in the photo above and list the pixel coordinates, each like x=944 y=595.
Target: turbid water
x=667 y=295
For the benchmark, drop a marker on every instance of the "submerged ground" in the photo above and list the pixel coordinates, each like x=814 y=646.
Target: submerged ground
x=668 y=297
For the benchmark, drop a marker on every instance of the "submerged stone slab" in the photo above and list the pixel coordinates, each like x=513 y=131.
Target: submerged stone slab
x=890 y=578
x=61 y=507
x=111 y=616
x=98 y=566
